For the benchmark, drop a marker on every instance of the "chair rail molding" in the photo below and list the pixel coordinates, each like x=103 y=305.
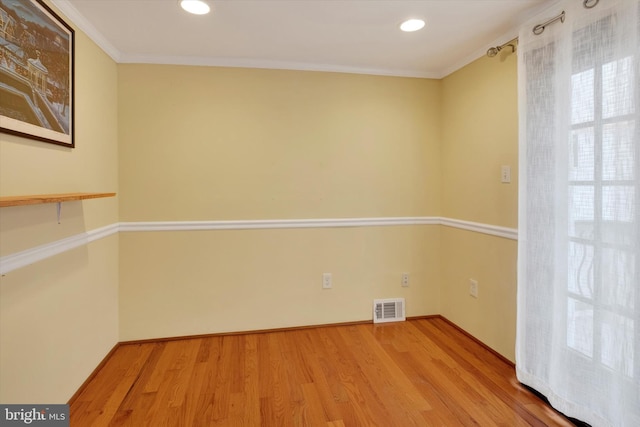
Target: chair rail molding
x=30 y=256
x=276 y=223
x=493 y=230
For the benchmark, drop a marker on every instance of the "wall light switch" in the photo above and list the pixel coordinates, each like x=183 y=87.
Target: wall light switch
x=505 y=174
x=327 y=281
x=473 y=288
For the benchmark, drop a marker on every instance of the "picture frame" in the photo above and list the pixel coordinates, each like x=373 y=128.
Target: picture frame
x=36 y=73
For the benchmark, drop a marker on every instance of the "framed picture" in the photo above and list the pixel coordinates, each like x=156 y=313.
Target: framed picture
x=36 y=72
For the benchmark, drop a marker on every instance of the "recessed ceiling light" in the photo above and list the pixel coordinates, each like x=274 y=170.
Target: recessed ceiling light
x=412 y=25
x=197 y=7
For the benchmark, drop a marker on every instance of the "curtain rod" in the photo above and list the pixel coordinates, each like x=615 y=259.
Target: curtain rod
x=493 y=51
x=538 y=29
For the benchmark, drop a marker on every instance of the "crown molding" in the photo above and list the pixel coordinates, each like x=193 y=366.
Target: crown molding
x=510 y=34
x=87 y=27
x=119 y=57
x=478 y=53
x=271 y=65
x=99 y=39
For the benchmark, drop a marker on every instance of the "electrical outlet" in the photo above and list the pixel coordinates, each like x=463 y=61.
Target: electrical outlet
x=405 y=280
x=326 y=281
x=473 y=288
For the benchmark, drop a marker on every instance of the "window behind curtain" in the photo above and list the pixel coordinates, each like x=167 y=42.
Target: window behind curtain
x=602 y=201
x=578 y=335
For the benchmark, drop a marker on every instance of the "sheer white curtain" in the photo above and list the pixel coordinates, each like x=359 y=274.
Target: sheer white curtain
x=578 y=335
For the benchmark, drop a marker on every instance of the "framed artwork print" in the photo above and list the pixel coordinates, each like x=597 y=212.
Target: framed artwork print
x=36 y=72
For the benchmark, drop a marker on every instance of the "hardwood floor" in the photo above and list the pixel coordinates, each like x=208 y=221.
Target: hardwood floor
x=416 y=373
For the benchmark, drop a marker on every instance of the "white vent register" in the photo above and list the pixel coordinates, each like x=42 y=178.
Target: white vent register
x=388 y=310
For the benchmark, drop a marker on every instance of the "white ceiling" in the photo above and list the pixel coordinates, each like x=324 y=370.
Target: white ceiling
x=360 y=36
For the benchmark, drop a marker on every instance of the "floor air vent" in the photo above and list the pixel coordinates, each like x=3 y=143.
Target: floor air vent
x=388 y=310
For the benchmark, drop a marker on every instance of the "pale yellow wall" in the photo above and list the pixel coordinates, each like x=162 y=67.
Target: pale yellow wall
x=479 y=135
x=185 y=283
x=492 y=262
x=59 y=317
x=200 y=143
x=204 y=143
x=479 y=128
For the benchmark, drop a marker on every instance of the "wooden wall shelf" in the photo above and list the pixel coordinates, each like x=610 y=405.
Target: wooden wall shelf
x=49 y=198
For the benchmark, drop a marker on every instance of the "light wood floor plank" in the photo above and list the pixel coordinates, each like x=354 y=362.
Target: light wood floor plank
x=416 y=373
x=482 y=363
x=386 y=378
x=363 y=405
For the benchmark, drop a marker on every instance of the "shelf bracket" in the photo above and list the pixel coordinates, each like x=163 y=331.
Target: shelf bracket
x=58 y=209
